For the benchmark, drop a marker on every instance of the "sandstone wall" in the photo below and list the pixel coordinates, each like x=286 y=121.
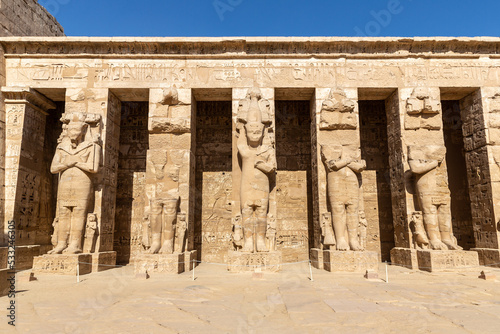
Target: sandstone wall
x=27 y=18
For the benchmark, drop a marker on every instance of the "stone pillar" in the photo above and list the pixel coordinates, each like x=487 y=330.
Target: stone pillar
x=169 y=175
x=481 y=128
x=25 y=128
x=248 y=103
x=418 y=153
x=338 y=172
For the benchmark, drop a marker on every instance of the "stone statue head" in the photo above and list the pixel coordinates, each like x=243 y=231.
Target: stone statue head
x=170 y=207
x=255 y=133
x=76 y=129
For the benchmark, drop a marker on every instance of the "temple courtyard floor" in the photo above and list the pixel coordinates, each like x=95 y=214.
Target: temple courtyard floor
x=115 y=301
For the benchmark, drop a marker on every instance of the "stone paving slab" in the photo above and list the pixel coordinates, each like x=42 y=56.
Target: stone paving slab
x=289 y=302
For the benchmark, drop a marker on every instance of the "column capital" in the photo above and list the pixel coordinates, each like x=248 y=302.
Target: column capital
x=26 y=95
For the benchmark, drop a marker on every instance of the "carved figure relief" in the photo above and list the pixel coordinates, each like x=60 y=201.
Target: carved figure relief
x=422 y=110
x=343 y=165
x=91 y=233
x=258 y=161
x=428 y=165
x=77 y=157
x=164 y=121
x=164 y=204
x=420 y=240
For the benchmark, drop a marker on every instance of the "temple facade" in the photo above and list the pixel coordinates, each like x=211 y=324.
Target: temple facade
x=251 y=152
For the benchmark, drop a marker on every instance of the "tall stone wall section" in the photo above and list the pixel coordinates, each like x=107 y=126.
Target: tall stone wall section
x=27 y=18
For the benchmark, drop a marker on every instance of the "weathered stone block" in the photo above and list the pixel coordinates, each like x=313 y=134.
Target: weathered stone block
x=266 y=261
x=103 y=261
x=350 y=261
x=7 y=277
x=404 y=257
x=433 y=260
x=66 y=264
x=316 y=258
x=159 y=263
x=24 y=256
x=190 y=260
x=488 y=256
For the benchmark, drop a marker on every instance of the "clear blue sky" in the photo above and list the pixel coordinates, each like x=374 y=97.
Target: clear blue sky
x=277 y=17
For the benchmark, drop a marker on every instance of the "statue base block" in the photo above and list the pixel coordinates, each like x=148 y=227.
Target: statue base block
x=190 y=258
x=265 y=261
x=6 y=282
x=65 y=264
x=103 y=261
x=159 y=263
x=404 y=257
x=434 y=260
x=350 y=261
x=488 y=256
x=316 y=256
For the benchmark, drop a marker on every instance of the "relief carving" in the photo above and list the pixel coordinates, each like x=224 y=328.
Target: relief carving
x=422 y=110
x=160 y=226
x=344 y=166
x=77 y=156
x=428 y=165
x=258 y=161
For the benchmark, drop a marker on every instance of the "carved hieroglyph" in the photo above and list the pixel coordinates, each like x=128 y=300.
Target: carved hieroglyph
x=258 y=160
x=428 y=165
x=77 y=157
x=345 y=228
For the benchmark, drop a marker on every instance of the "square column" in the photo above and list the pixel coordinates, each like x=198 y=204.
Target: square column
x=25 y=131
x=420 y=193
x=103 y=103
x=481 y=128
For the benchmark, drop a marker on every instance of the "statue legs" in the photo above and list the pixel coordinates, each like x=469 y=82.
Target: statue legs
x=254 y=227
x=352 y=220
x=78 y=218
x=168 y=230
x=63 y=230
x=445 y=227
x=156 y=220
x=339 y=224
x=431 y=223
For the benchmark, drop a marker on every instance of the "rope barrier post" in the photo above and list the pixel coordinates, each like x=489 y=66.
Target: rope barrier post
x=77 y=272
x=311 y=271
x=386 y=273
x=194 y=266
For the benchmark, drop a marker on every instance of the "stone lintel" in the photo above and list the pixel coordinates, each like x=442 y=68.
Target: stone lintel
x=28 y=96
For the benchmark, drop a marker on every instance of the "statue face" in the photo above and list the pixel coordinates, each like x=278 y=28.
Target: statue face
x=75 y=130
x=255 y=131
x=170 y=207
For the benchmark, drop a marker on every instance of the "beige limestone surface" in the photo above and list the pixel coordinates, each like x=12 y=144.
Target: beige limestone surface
x=287 y=302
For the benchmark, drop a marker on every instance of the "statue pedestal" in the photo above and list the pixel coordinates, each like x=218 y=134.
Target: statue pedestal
x=265 y=261
x=160 y=263
x=350 y=261
x=316 y=256
x=488 y=256
x=434 y=260
x=103 y=261
x=404 y=257
x=66 y=264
